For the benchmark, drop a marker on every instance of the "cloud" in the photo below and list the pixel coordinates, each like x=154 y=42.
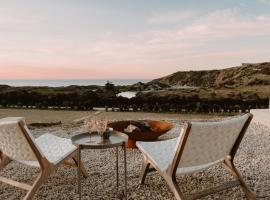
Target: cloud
x=12 y=23
x=228 y=24
x=144 y=54
x=265 y=1
x=169 y=47
x=170 y=17
x=218 y=25
x=221 y=24
x=263 y=18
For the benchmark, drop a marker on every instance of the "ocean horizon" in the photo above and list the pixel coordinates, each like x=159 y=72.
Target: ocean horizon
x=68 y=82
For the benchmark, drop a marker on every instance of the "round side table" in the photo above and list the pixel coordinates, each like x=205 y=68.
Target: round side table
x=94 y=141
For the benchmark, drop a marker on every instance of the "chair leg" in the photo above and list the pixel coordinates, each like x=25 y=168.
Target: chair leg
x=144 y=170
x=82 y=168
x=232 y=169
x=40 y=179
x=171 y=181
x=4 y=160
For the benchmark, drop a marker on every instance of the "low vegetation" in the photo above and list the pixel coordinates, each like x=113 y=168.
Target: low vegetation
x=229 y=90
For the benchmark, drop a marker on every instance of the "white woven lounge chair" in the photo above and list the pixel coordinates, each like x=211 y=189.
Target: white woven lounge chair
x=199 y=146
x=46 y=152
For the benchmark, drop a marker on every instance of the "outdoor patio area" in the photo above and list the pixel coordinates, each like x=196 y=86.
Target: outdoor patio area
x=252 y=160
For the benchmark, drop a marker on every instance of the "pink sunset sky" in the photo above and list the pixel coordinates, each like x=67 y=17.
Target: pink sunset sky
x=128 y=39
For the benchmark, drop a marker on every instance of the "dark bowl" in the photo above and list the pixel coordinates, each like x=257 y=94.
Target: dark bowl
x=155 y=129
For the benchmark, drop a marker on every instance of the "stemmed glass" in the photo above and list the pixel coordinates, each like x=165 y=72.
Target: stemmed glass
x=96 y=124
x=91 y=126
x=102 y=126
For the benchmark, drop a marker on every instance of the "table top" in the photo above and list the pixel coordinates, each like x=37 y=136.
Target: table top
x=95 y=141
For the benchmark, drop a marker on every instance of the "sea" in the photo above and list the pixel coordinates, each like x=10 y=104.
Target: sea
x=68 y=82
x=79 y=82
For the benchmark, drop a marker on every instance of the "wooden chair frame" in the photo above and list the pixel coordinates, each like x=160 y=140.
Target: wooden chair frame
x=170 y=174
x=46 y=168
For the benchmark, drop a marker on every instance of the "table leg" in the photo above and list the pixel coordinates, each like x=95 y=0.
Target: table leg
x=117 y=171
x=79 y=172
x=125 y=166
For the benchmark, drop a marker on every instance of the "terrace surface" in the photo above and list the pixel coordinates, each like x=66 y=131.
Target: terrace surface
x=252 y=160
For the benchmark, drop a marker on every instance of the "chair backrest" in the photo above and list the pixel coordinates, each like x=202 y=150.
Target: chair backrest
x=16 y=141
x=210 y=142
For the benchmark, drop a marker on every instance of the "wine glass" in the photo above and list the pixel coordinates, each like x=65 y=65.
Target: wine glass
x=90 y=126
x=102 y=125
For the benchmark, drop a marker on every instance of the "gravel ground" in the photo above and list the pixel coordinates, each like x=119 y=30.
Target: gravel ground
x=252 y=160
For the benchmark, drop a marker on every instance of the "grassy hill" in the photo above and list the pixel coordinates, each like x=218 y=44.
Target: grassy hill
x=245 y=75
x=247 y=85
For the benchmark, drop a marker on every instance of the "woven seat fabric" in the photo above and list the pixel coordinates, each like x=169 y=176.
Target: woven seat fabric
x=54 y=148
x=12 y=143
x=160 y=153
x=46 y=152
x=210 y=142
x=199 y=146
